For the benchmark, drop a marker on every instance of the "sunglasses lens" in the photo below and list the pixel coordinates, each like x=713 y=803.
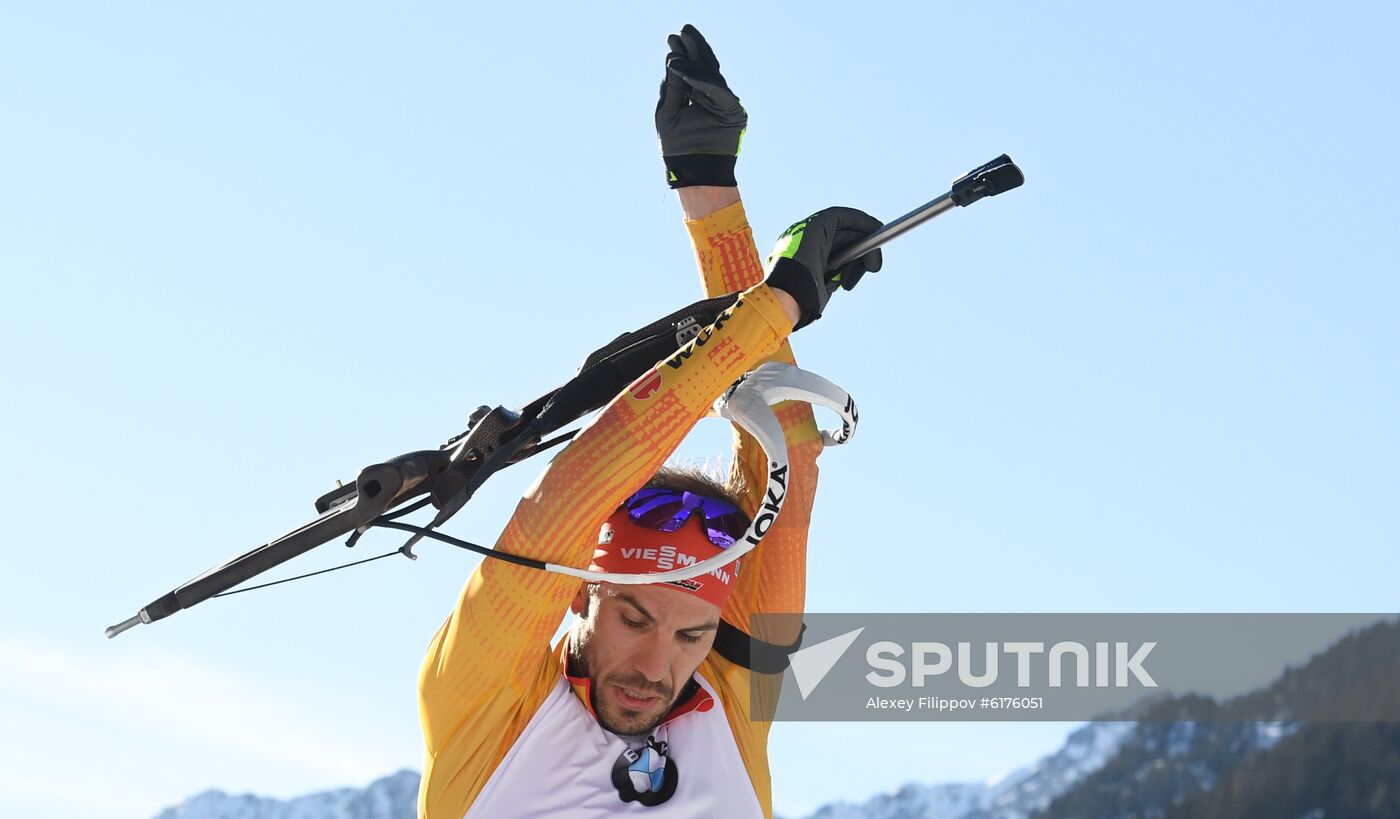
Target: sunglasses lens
x=660 y=510
x=724 y=523
x=722 y=533
x=667 y=510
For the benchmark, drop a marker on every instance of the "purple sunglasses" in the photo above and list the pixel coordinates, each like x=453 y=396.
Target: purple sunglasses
x=666 y=510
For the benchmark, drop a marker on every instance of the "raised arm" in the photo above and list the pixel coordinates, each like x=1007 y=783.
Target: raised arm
x=774 y=579
x=701 y=126
x=774 y=575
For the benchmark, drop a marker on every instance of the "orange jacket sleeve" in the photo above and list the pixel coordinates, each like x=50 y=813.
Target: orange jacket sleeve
x=774 y=576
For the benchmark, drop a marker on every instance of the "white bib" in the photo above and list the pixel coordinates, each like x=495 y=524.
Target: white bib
x=561 y=766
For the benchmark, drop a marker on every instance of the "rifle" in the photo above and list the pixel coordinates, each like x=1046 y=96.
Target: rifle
x=496 y=437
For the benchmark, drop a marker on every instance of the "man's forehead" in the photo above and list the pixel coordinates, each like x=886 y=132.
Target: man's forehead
x=663 y=603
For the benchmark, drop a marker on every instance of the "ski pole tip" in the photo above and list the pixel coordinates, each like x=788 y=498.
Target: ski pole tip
x=130 y=622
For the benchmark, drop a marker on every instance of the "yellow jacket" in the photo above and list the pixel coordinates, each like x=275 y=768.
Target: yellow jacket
x=490 y=667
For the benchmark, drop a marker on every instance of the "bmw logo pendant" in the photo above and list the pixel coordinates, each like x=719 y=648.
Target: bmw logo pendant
x=645 y=774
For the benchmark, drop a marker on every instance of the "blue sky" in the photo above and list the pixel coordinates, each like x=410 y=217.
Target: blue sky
x=247 y=250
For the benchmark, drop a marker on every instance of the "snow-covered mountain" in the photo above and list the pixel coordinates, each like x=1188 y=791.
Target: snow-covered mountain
x=1013 y=796
x=1192 y=757
x=393 y=797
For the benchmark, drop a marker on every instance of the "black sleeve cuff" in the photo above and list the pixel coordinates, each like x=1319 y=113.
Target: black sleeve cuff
x=794 y=279
x=700 y=169
x=745 y=651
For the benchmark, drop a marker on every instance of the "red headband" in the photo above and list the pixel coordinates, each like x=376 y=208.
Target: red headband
x=626 y=548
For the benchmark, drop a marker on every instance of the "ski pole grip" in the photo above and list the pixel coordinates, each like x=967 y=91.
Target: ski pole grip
x=998 y=176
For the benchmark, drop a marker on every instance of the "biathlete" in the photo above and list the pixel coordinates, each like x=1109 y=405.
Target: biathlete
x=643 y=707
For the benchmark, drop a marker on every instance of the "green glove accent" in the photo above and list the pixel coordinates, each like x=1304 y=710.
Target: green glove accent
x=798 y=263
x=699 y=120
x=788 y=243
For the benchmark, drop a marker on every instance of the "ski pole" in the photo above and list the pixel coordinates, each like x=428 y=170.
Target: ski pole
x=997 y=176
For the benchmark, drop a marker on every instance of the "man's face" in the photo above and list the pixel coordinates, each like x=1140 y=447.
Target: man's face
x=640 y=645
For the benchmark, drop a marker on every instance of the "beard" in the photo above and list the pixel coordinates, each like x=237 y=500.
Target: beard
x=621 y=718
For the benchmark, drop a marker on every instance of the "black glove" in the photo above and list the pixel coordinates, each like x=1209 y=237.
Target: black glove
x=699 y=120
x=799 y=261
